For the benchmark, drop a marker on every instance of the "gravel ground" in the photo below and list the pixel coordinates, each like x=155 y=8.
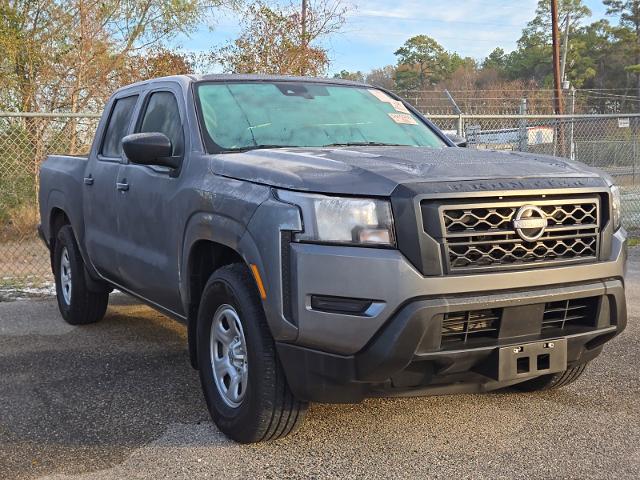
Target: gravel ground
x=119 y=400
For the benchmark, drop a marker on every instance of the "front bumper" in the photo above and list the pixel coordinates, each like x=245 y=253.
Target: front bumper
x=395 y=348
x=403 y=358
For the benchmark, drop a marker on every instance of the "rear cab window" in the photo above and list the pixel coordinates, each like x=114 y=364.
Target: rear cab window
x=118 y=126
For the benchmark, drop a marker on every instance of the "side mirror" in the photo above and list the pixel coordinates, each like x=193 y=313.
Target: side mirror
x=457 y=139
x=150 y=149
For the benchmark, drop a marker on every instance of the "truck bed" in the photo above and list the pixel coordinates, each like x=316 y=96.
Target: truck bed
x=61 y=186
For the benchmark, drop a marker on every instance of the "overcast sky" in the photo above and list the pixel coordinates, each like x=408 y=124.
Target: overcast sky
x=374 y=29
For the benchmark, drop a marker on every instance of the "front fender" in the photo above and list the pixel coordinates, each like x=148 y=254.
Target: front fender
x=259 y=243
x=264 y=244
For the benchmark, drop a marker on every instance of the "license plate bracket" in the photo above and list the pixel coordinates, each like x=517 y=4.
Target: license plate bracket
x=532 y=359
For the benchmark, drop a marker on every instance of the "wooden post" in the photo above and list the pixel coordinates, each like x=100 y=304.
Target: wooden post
x=558 y=103
x=556 y=58
x=303 y=33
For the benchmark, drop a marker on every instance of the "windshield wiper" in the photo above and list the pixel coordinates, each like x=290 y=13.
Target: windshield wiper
x=254 y=147
x=366 y=144
x=348 y=144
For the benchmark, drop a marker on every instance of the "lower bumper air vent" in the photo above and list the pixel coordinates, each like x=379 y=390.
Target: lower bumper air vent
x=462 y=327
x=580 y=312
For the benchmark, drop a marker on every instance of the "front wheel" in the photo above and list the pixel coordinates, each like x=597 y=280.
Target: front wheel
x=78 y=305
x=243 y=382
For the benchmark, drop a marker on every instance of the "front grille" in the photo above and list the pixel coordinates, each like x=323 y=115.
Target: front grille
x=461 y=327
x=563 y=314
x=484 y=236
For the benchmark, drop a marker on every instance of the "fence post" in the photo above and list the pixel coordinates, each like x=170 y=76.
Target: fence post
x=572 y=146
x=523 y=135
x=635 y=147
x=460 y=127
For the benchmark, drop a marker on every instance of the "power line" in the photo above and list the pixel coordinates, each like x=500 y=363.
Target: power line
x=629 y=97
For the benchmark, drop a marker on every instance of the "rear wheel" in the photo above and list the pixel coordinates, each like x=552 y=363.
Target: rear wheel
x=553 y=381
x=243 y=382
x=78 y=305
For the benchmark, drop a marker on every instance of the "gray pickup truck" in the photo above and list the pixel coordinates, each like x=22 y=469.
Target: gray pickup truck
x=325 y=242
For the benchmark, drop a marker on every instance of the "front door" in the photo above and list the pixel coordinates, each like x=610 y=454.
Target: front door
x=100 y=193
x=149 y=221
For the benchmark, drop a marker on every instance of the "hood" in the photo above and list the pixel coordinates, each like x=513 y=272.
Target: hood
x=378 y=171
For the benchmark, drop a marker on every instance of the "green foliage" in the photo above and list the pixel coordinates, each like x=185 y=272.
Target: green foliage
x=628 y=10
x=538 y=30
x=497 y=60
x=423 y=62
x=17 y=185
x=69 y=56
x=353 y=76
x=533 y=58
x=598 y=53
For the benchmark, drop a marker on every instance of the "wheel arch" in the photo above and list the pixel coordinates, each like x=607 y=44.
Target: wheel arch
x=58 y=218
x=210 y=242
x=257 y=245
x=60 y=213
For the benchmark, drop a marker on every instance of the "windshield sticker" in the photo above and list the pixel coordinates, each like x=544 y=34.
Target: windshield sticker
x=403 y=118
x=380 y=95
x=399 y=106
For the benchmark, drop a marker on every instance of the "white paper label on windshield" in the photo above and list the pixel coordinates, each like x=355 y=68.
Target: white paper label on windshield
x=403 y=118
x=399 y=106
x=380 y=95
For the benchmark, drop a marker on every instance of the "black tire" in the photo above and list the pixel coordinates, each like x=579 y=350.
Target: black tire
x=268 y=410
x=553 y=381
x=81 y=306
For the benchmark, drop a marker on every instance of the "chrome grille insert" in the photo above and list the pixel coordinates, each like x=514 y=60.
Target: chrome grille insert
x=483 y=235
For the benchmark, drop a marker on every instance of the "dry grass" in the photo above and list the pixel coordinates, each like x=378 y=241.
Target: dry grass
x=24 y=263
x=21 y=223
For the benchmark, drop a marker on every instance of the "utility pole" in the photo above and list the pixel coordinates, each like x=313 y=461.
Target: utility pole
x=556 y=58
x=303 y=34
x=558 y=104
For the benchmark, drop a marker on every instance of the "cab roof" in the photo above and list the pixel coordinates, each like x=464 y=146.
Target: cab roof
x=188 y=79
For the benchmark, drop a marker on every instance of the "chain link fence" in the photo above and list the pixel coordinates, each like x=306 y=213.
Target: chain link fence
x=25 y=140
x=609 y=142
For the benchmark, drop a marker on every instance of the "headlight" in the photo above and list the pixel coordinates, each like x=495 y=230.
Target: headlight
x=616 y=214
x=354 y=221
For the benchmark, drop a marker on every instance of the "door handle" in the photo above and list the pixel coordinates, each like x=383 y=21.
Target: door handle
x=88 y=180
x=122 y=186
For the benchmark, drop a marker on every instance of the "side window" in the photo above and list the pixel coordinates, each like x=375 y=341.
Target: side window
x=162 y=115
x=118 y=125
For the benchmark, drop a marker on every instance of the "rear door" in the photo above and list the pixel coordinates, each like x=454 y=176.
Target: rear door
x=150 y=220
x=100 y=192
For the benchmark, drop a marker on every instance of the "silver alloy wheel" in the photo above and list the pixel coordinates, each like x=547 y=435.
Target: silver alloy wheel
x=65 y=275
x=228 y=351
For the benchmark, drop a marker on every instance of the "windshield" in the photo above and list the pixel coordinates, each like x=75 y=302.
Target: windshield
x=243 y=116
